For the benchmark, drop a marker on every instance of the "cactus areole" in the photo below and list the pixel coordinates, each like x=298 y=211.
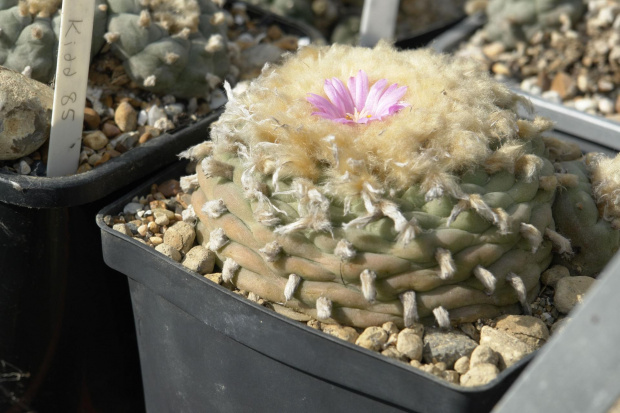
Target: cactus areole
x=368 y=203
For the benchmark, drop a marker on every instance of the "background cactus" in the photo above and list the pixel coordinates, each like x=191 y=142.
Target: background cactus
x=513 y=21
x=444 y=206
x=177 y=47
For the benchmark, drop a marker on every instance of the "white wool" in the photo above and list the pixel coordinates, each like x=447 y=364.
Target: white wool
x=217 y=239
x=271 y=251
x=487 y=278
x=291 y=286
x=410 y=308
x=323 y=308
x=215 y=208
x=532 y=234
x=517 y=283
x=442 y=316
x=344 y=250
x=447 y=267
x=369 y=291
x=229 y=269
x=560 y=242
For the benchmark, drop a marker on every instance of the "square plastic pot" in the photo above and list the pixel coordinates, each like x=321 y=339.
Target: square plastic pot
x=570 y=121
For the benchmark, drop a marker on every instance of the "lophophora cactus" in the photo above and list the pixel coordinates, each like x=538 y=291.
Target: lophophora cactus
x=513 y=21
x=177 y=47
x=371 y=208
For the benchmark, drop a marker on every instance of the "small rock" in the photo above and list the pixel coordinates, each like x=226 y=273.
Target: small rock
x=470 y=330
x=123 y=229
x=585 y=104
x=483 y=354
x=180 y=236
x=126 y=117
x=416 y=364
x=553 y=275
x=342 y=332
x=617 y=106
x=95 y=140
x=462 y=365
x=93 y=159
x=215 y=277
x=606 y=106
x=161 y=218
x=156 y=240
x=479 y=375
x=564 y=85
x=103 y=159
x=559 y=325
x=142 y=229
x=144 y=137
x=91 y=119
x=500 y=69
x=509 y=348
x=85 y=167
x=154 y=114
x=569 y=292
x=446 y=346
x=493 y=50
x=23 y=168
x=410 y=344
x=25 y=114
x=451 y=376
x=169 y=188
x=110 y=130
x=132 y=208
x=199 y=259
x=168 y=251
x=391 y=352
x=431 y=369
x=390 y=327
x=528 y=329
x=316 y=324
x=373 y=338
x=552 y=96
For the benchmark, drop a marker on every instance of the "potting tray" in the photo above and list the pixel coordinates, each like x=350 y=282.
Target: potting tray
x=571 y=121
x=205 y=348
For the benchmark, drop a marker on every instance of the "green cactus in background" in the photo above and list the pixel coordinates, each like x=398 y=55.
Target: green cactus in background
x=511 y=21
x=177 y=47
x=363 y=211
x=297 y=9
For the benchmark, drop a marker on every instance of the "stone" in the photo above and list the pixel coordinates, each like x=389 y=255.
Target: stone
x=25 y=114
x=410 y=344
x=123 y=229
x=617 y=106
x=169 y=188
x=103 y=159
x=500 y=69
x=345 y=333
x=451 y=376
x=551 y=276
x=493 y=50
x=585 y=104
x=509 y=348
x=180 y=236
x=393 y=353
x=94 y=158
x=564 y=85
x=552 y=96
x=95 y=140
x=161 y=218
x=110 y=130
x=569 y=292
x=447 y=346
x=132 y=208
x=606 y=106
x=461 y=366
x=483 y=354
x=528 y=329
x=390 y=327
x=373 y=338
x=169 y=251
x=156 y=240
x=479 y=375
x=559 y=325
x=126 y=117
x=199 y=259
x=215 y=277
x=91 y=119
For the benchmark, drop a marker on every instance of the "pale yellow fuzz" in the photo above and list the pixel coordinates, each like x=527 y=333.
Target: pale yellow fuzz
x=457 y=117
x=605 y=176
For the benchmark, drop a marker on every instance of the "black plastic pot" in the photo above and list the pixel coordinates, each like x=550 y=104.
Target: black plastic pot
x=568 y=120
x=65 y=321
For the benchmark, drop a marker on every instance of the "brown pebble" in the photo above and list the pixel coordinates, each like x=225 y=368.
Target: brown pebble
x=104 y=158
x=95 y=140
x=170 y=188
x=84 y=168
x=113 y=153
x=618 y=104
x=288 y=43
x=157 y=204
x=564 y=85
x=145 y=137
x=110 y=130
x=126 y=117
x=91 y=119
x=107 y=101
x=274 y=32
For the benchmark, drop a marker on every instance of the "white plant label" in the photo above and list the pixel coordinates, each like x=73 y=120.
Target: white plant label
x=378 y=21
x=76 y=32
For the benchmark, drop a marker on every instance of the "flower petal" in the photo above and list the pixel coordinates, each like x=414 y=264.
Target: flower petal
x=390 y=97
x=339 y=95
x=372 y=100
x=326 y=108
x=358 y=87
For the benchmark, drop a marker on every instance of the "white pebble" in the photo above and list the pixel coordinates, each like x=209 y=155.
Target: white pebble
x=154 y=114
x=606 y=106
x=552 y=96
x=585 y=105
x=132 y=208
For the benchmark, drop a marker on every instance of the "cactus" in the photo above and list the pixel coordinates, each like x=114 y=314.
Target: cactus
x=163 y=50
x=512 y=21
x=385 y=212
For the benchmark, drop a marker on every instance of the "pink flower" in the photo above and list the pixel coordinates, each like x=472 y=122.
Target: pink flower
x=356 y=103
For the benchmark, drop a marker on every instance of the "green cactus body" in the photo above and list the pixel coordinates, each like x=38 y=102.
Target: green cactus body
x=513 y=21
x=446 y=203
x=297 y=9
x=177 y=47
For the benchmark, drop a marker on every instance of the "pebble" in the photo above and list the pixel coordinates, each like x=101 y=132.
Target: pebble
x=180 y=236
x=606 y=106
x=169 y=188
x=142 y=230
x=559 y=325
x=551 y=276
x=451 y=376
x=585 y=104
x=161 y=218
x=94 y=159
x=461 y=366
x=345 y=333
x=493 y=50
x=199 y=259
x=390 y=327
x=410 y=344
x=446 y=346
x=528 y=329
x=110 y=130
x=479 y=375
x=91 y=119
x=393 y=353
x=564 y=85
x=154 y=114
x=373 y=338
x=126 y=117
x=132 y=208
x=95 y=140
x=552 y=96
x=483 y=354
x=569 y=292
x=23 y=168
x=123 y=229
x=156 y=240
x=168 y=251
x=509 y=348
